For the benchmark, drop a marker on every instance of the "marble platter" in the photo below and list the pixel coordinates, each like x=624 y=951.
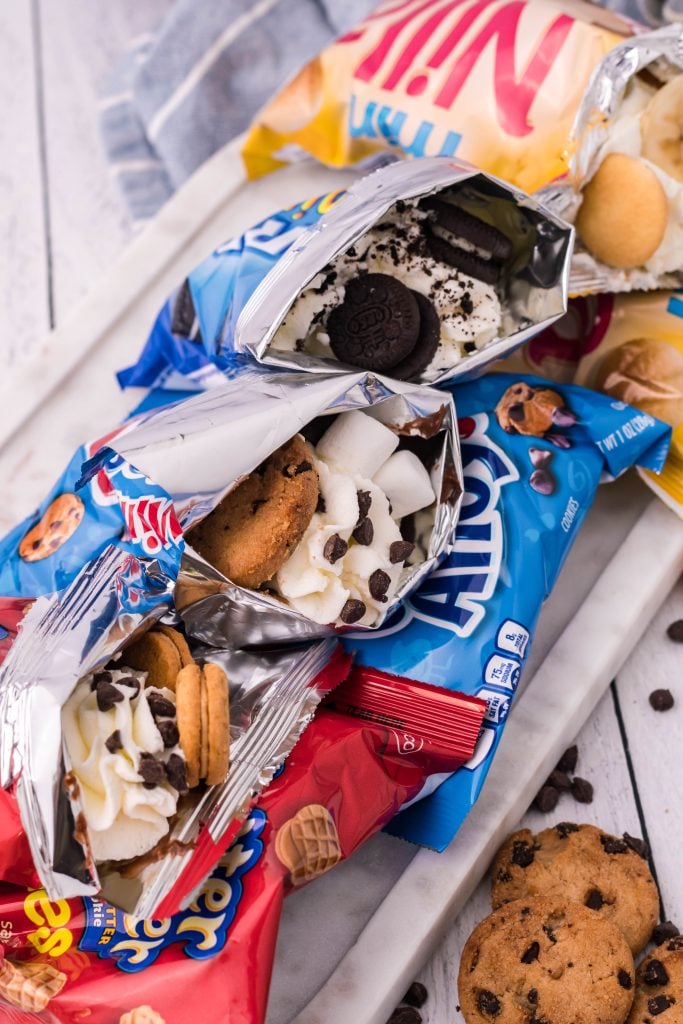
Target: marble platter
x=335 y=965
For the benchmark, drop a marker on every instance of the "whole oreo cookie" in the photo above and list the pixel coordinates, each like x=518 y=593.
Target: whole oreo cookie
x=426 y=345
x=462 y=259
x=377 y=324
x=465 y=225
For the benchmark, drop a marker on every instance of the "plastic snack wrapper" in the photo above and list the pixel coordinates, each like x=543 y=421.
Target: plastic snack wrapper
x=273 y=293
x=494 y=82
x=369 y=749
x=631 y=348
x=624 y=189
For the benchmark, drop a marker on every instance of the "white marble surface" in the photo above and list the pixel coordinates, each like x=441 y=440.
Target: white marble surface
x=66 y=227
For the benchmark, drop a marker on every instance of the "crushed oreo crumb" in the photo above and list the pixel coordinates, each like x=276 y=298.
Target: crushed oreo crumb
x=335 y=548
x=399 y=551
x=364 y=532
x=352 y=611
x=594 y=900
x=661 y=700
x=107 y=696
x=569 y=759
x=114 y=742
x=522 y=853
x=151 y=770
x=378 y=584
x=530 y=954
x=488 y=1003
x=416 y=995
x=655 y=973
x=624 y=979
x=582 y=790
x=169 y=733
x=364 y=503
x=663 y=931
x=176 y=773
x=160 y=706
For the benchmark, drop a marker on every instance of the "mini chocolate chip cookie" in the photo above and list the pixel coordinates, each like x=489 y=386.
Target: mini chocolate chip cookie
x=582 y=863
x=659 y=988
x=545 y=961
x=255 y=528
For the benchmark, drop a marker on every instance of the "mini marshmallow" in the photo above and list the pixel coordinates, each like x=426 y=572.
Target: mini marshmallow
x=406 y=484
x=357 y=444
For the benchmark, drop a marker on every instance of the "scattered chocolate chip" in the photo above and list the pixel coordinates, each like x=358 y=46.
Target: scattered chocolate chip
x=569 y=759
x=169 y=733
x=378 y=584
x=564 y=828
x=582 y=790
x=675 y=631
x=530 y=954
x=540 y=457
x=405 y=1015
x=546 y=799
x=612 y=845
x=675 y=943
x=525 y=911
x=416 y=995
x=335 y=548
x=624 y=979
x=114 y=742
x=100 y=677
x=364 y=532
x=399 y=551
x=661 y=700
x=638 y=846
x=558 y=779
x=503 y=875
x=593 y=899
x=151 y=770
x=160 y=706
x=176 y=773
x=658 y=1004
x=655 y=973
x=321 y=506
x=131 y=683
x=352 y=611
x=364 y=503
x=522 y=853
x=107 y=696
x=488 y=1003
x=542 y=481
x=550 y=933
x=663 y=931
x=532 y=996
x=303 y=467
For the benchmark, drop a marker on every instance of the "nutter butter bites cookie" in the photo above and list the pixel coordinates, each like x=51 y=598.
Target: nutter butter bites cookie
x=202 y=707
x=58 y=523
x=624 y=212
x=251 y=533
x=308 y=844
x=545 y=960
x=581 y=863
x=659 y=988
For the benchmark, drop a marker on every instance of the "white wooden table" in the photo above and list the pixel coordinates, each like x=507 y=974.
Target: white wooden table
x=63 y=223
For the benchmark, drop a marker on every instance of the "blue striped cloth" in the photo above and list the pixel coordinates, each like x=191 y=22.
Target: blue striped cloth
x=180 y=94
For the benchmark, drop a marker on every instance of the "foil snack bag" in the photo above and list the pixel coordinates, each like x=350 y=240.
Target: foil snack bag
x=495 y=82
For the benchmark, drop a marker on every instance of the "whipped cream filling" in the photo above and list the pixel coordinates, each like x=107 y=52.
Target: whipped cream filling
x=125 y=817
x=624 y=135
x=469 y=310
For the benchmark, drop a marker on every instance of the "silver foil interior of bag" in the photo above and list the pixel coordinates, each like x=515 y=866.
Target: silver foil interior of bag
x=534 y=286
x=213 y=608
x=661 y=52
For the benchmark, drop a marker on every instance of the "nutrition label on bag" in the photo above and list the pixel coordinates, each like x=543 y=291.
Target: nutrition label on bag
x=513 y=637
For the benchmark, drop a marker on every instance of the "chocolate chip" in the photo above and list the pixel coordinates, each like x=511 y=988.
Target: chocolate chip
x=321 y=506
x=160 y=706
x=612 y=845
x=169 y=733
x=378 y=584
x=364 y=532
x=532 y=996
x=352 y=611
x=405 y=1015
x=675 y=943
x=569 y=759
x=522 y=853
x=550 y=933
x=100 y=677
x=661 y=700
x=530 y=954
x=131 y=683
x=503 y=875
x=542 y=481
x=107 y=696
x=114 y=742
x=540 y=457
x=335 y=548
x=655 y=973
x=658 y=1004
x=151 y=770
x=638 y=846
x=582 y=790
x=624 y=979
x=675 y=631
x=558 y=779
x=399 y=551
x=303 y=467
x=176 y=773
x=467 y=306
x=416 y=995
x=256 y=505
x=488 y=1003
x=546 y=799
x=516 y=412
x=564 y=828
x=364 y=503
x=593 y=899
x=663 y=931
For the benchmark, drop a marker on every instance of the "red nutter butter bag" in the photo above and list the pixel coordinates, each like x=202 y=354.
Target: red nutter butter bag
x=369 y=750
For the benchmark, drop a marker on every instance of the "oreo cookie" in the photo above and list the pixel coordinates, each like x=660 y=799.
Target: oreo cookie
x=462 y=224
x=426 y=345
x=461 y=259
x=377 y=325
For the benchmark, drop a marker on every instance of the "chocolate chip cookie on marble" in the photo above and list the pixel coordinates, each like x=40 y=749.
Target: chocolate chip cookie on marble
x=545 y=961
x=582 y=863
x=659 y=986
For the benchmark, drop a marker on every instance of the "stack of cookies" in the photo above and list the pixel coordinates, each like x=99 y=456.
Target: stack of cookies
x=573 y=906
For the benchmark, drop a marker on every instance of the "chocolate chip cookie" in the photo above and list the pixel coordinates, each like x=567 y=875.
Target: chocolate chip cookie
x=582 y=863
x=255 y=528
x=659 y=988
x=545 y=961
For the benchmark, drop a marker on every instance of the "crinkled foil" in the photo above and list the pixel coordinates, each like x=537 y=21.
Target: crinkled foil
x=662 y=52
x=536 y=293
x=201 y=449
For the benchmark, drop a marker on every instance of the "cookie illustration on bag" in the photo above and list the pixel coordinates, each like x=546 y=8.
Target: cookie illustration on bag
x=58 y=523
x=534 y=412
x=308 y=844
